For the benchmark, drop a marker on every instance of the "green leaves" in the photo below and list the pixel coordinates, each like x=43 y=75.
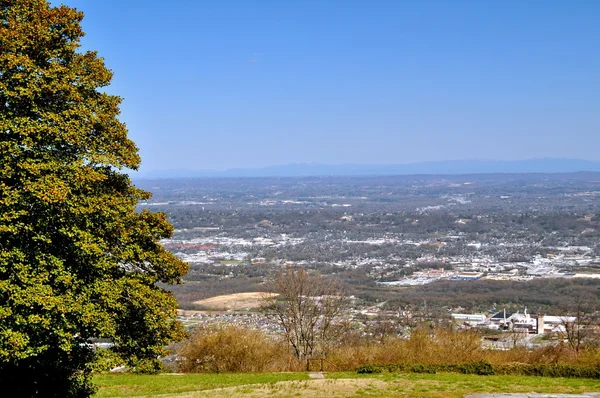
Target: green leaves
x=76 y=259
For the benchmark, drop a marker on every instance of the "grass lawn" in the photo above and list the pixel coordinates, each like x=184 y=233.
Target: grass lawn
x=335 y=385
x=129 y=385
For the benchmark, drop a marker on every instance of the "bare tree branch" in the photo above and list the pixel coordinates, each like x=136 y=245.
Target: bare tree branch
x=308 y=307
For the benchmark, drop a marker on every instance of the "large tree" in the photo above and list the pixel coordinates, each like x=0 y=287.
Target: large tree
x=77 y=261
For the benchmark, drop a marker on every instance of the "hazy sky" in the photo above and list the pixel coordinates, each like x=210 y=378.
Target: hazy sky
x=222 y=84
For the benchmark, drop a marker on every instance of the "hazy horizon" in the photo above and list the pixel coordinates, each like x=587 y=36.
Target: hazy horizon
x=399 y=163
x=238 y=84
x=452 y=167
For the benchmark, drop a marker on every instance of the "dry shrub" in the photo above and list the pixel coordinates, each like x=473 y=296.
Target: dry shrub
x=455 y=347
x=423 y=347
x=237 y=349
x=547 y=355
x=514 y=355
x=552 y=354
x=351 y=356
x=227 y=348
x=589 y=356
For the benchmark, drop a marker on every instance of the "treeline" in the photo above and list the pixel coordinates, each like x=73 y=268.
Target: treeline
x=551 y=295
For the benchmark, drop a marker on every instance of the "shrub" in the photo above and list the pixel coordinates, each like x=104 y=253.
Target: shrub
x=478 y=368
x=487 y=369
x=233 y=349
x=369 y=369
x=236 y=349
x=548 y=370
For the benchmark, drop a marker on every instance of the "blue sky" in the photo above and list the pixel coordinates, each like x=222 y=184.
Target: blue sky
x=222 y=84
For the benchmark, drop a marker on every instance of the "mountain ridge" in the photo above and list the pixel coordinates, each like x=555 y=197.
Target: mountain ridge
x=445 y=167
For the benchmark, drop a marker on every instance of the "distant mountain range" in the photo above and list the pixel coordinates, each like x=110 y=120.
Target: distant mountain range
x=546 y=165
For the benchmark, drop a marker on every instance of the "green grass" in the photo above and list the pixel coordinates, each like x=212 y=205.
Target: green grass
x=335 y=385
x=458 y=385
x=130 y=385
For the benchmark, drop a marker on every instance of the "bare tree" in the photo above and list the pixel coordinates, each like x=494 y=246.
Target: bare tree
x=517 y=336
x=308 y=307
x=382 y=328
x=578 y=329
x=580 y=325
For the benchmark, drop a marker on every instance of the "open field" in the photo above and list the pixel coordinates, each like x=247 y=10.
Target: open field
x=237 y=301
x=334 y=385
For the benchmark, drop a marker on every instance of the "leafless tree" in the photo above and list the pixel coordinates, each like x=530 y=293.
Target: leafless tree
x=517 y=336
x=382 y=328
x=578 y=328
x=309 y=308
x=580 y=323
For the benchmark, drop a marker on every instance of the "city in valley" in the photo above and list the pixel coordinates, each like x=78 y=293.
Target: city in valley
x=501 y=252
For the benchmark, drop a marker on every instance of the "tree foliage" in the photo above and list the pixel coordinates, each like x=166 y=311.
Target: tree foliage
x=76 y=259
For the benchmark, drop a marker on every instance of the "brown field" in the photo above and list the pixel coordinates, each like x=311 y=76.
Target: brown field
x=308 y=388
x=237 y=301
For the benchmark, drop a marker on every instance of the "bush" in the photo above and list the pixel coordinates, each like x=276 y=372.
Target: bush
x=487 y=369
x=549 y=370
x=477 y=368
x=148 y=366
x=236 y=349
x=423 y=368
x=369 y=369
x=220 y=349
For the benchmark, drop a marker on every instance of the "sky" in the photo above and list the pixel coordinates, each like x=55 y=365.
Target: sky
x=241 y=84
